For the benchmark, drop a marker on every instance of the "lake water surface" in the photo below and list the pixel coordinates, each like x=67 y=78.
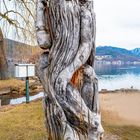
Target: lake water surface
x=113 y=77
x=110 y=77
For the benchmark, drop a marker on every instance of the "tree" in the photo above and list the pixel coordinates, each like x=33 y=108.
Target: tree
x=67 y=29
x=17 y=20
x=3 y=61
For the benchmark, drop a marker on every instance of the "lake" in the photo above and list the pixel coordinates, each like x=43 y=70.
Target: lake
x=110 y=77
x=113 y=77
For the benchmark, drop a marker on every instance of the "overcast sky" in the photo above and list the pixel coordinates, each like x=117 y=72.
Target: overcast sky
x=118 y=23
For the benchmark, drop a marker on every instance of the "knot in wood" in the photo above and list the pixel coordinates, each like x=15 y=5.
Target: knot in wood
x=68 y=138
x=97 y=123
x=81 y=57
x=59 y=80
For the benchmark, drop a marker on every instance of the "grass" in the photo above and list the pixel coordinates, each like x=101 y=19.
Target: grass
x=23 y=122
x=26 y=122
x=124 y=132
x=117 y=126
x=14 y=83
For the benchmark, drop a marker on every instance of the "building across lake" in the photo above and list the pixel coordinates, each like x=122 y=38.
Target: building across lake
x=102 y=57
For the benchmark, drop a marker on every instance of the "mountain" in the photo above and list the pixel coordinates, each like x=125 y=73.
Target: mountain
x=136 y=51
x=115 y=53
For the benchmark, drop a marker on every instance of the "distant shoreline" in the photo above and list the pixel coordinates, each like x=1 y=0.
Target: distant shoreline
x=123 y=90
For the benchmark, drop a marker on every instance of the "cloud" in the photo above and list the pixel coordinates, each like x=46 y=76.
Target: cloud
x=118 y=23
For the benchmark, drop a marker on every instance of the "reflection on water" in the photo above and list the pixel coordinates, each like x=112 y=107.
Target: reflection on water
x=23 y=99
x=118 y=76
x=5 y=100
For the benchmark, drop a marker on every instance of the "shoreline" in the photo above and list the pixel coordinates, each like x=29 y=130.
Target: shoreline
x=16 y=88
x=123 y=90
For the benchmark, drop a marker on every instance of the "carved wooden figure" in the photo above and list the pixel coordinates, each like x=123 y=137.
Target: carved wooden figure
x=67 y=29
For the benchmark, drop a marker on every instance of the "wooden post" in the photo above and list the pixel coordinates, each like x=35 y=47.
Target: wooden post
x=67 y=74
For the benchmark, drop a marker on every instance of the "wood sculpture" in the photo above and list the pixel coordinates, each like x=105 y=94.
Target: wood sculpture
x=66 y=30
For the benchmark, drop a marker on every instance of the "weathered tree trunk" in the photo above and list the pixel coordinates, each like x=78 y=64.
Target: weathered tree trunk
x=71 y=104
x=3 y=61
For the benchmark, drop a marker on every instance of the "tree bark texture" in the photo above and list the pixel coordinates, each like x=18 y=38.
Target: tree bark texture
x=67 y=29
x=3 y=61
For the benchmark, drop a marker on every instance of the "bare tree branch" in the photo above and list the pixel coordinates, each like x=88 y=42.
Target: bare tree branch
x=20 y=21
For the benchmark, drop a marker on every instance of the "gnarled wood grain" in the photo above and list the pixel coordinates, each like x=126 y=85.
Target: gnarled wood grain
x=71 y=110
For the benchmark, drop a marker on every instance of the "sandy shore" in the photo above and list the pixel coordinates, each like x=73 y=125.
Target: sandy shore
x=121 y=108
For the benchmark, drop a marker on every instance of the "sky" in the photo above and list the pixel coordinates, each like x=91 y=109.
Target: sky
x=118 y=23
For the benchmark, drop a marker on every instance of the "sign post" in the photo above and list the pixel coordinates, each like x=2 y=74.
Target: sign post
x=25 y=70
x=27 y=89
